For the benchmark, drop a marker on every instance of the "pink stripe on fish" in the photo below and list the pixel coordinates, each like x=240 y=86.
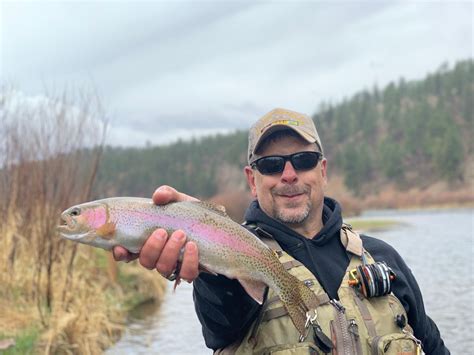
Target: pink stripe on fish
x=96 y=217
x=193 y=228
x=219 y=237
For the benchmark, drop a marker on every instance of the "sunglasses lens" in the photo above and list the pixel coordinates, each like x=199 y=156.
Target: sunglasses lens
x=305 y=160
x=275 y=164
x=270 y=165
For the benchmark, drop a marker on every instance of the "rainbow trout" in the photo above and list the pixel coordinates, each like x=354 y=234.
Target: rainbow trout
x=225 y=247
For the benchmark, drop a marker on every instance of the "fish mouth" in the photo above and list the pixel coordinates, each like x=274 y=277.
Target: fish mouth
x=63 y=229
x=65 y=232
x=67 y=221
x=68 y=227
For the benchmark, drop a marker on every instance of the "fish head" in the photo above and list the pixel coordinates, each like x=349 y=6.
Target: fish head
x=88 y=223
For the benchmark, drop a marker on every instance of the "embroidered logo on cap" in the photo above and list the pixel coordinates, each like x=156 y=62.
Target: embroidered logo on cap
x=281 y=122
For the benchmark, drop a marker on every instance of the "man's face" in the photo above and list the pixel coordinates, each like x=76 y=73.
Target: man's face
x=293 y=197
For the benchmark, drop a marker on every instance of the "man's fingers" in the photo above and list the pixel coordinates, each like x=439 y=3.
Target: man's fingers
x=169 y=257
x=162 y=253
x=190 y=266
x=153 y=248
x=121 y=254
x=166 y=194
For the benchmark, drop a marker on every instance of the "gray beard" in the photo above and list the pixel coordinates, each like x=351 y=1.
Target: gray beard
x=289 y=218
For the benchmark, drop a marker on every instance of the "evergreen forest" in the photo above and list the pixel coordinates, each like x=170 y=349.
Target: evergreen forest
x=410 y=133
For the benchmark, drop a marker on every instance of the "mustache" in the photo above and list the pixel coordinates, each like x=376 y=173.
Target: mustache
x=290 y=190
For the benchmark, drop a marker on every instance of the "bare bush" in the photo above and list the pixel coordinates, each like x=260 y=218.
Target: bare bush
x=49 y=153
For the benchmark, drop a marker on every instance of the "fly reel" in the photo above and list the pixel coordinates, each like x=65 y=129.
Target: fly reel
x=372 y=280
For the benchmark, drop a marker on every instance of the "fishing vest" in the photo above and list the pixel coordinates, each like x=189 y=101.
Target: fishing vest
x=354 y=324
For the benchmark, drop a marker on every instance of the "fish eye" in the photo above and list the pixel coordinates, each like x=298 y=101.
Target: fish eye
x=76 y=211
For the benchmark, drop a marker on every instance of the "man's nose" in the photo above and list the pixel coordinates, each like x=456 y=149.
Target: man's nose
x=289 y=174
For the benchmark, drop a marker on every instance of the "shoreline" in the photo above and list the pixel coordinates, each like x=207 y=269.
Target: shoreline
x=83 y=326
x=374 y=220
x=439 y=196
x=426 y=208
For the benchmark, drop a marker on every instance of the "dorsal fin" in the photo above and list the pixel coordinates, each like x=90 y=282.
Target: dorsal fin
x=255 y=289
x=219 y=209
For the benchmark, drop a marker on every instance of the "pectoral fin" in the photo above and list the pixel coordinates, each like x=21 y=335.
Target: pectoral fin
x=255 y=289
x=206 y=270
x=106 y=230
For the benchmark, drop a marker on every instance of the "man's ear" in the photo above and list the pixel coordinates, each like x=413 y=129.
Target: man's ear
x=324 y=171
x=249 y=174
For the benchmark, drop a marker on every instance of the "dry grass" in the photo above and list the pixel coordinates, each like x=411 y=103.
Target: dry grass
x=88 y=311
x=438 y=195
x=59 y=289
x=370 y=225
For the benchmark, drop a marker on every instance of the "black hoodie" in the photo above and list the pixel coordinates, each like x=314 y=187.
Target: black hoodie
x=226 y=311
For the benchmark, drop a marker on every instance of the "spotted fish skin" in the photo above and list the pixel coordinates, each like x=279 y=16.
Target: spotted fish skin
x=225 y=247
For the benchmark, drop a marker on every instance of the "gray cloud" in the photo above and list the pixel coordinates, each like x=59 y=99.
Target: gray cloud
x=197 y=68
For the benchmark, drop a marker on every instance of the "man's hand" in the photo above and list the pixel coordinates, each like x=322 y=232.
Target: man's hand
x=161 y=251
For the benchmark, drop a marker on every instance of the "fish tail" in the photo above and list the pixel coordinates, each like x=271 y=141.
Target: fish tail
x=298 y=301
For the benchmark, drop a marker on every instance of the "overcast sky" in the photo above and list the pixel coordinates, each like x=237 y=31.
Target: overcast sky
x=167 y=70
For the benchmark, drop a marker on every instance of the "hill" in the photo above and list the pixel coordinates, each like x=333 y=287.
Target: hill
x=410 y=133
x=405 y=138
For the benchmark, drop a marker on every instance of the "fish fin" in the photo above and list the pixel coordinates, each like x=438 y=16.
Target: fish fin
x=255 y=289
x=106 y=230
x=298 y=301
x=176 y=283
x=206 y=270
x=219 y=209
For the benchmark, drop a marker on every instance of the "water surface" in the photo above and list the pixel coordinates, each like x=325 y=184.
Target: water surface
x=436 y=245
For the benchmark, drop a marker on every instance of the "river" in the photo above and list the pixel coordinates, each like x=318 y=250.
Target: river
x=437 y=245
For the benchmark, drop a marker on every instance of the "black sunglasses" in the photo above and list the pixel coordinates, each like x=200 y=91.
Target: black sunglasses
x=274 y=164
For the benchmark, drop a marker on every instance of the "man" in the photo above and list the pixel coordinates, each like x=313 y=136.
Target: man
x=287 y=176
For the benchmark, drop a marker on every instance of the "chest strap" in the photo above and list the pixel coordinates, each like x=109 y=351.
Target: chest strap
x=291 y=264
x=351 y=240
x=281 y=311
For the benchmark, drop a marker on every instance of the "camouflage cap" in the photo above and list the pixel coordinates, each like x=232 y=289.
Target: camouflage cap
x=279 y=119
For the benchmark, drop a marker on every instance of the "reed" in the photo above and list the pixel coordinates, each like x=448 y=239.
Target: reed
x=49 y=155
